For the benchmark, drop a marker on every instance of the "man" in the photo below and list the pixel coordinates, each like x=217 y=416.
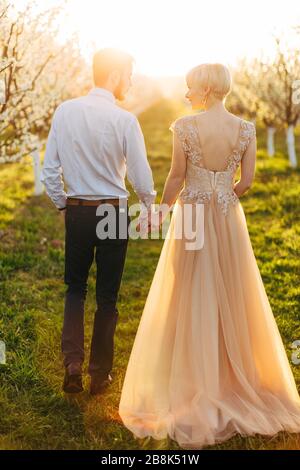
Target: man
x=92 y=142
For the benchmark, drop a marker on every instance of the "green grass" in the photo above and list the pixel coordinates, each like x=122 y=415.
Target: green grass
x=34 y=413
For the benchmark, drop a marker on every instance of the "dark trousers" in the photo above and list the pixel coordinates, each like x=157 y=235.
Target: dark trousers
x=81 y=245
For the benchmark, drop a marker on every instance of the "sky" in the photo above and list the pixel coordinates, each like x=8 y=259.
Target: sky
x=168 y=37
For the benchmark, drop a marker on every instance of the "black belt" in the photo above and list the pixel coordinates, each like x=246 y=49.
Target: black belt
x=75 y=201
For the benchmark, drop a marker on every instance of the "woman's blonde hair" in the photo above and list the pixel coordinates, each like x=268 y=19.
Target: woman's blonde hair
x=216 y=76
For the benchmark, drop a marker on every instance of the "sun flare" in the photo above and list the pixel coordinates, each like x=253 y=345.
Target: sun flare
x=167 y=37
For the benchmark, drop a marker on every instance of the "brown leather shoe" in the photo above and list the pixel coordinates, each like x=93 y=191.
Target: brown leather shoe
x=99 y=383
x=73 y=379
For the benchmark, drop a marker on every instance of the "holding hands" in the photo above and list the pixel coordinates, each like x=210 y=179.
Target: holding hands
x=152 y=219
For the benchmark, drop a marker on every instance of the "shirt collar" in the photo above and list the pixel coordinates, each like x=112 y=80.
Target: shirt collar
x=103 y=92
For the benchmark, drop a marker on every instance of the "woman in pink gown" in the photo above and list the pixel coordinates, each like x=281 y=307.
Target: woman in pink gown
x=208 y=360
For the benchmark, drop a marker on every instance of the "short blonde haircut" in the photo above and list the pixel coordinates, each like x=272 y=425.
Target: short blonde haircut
x=216 y=76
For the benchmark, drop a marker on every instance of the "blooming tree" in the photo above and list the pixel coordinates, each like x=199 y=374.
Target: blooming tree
x=36 y=73
x=266 y=88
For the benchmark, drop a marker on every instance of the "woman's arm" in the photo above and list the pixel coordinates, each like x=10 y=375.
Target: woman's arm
x=174 y=180
x=247 y=169
x=176 y=176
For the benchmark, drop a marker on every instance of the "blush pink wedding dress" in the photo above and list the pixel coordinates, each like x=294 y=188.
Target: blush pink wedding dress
x=208 y=360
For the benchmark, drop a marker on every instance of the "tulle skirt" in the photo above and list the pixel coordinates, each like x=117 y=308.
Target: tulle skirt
x=208 y=360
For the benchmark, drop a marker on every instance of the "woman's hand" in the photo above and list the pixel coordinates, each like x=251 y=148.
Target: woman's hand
x=143 y=217
x=240 y=188
x=159 y=216
x=152 y=220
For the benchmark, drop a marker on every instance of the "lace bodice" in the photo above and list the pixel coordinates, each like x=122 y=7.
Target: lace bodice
x=200 y=182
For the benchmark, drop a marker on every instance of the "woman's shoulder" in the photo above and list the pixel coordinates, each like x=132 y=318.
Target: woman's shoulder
x=181 y=122
x=248 y=127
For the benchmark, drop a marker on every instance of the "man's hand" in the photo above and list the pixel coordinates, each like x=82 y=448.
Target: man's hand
x=157 y=220
x=144 y=216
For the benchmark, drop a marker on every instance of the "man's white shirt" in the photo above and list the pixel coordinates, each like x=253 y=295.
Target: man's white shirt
x=93 y=143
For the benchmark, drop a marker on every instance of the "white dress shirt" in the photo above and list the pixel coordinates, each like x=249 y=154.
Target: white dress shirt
x=91 y=144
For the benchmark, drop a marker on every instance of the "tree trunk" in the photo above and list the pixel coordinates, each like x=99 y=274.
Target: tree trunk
x=38 y=185
x=270 y=132
x=290 y=140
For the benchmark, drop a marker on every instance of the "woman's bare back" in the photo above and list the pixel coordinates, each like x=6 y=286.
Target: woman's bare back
x=218 y=135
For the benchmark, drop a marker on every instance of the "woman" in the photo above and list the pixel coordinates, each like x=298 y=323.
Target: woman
x=208 y=360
